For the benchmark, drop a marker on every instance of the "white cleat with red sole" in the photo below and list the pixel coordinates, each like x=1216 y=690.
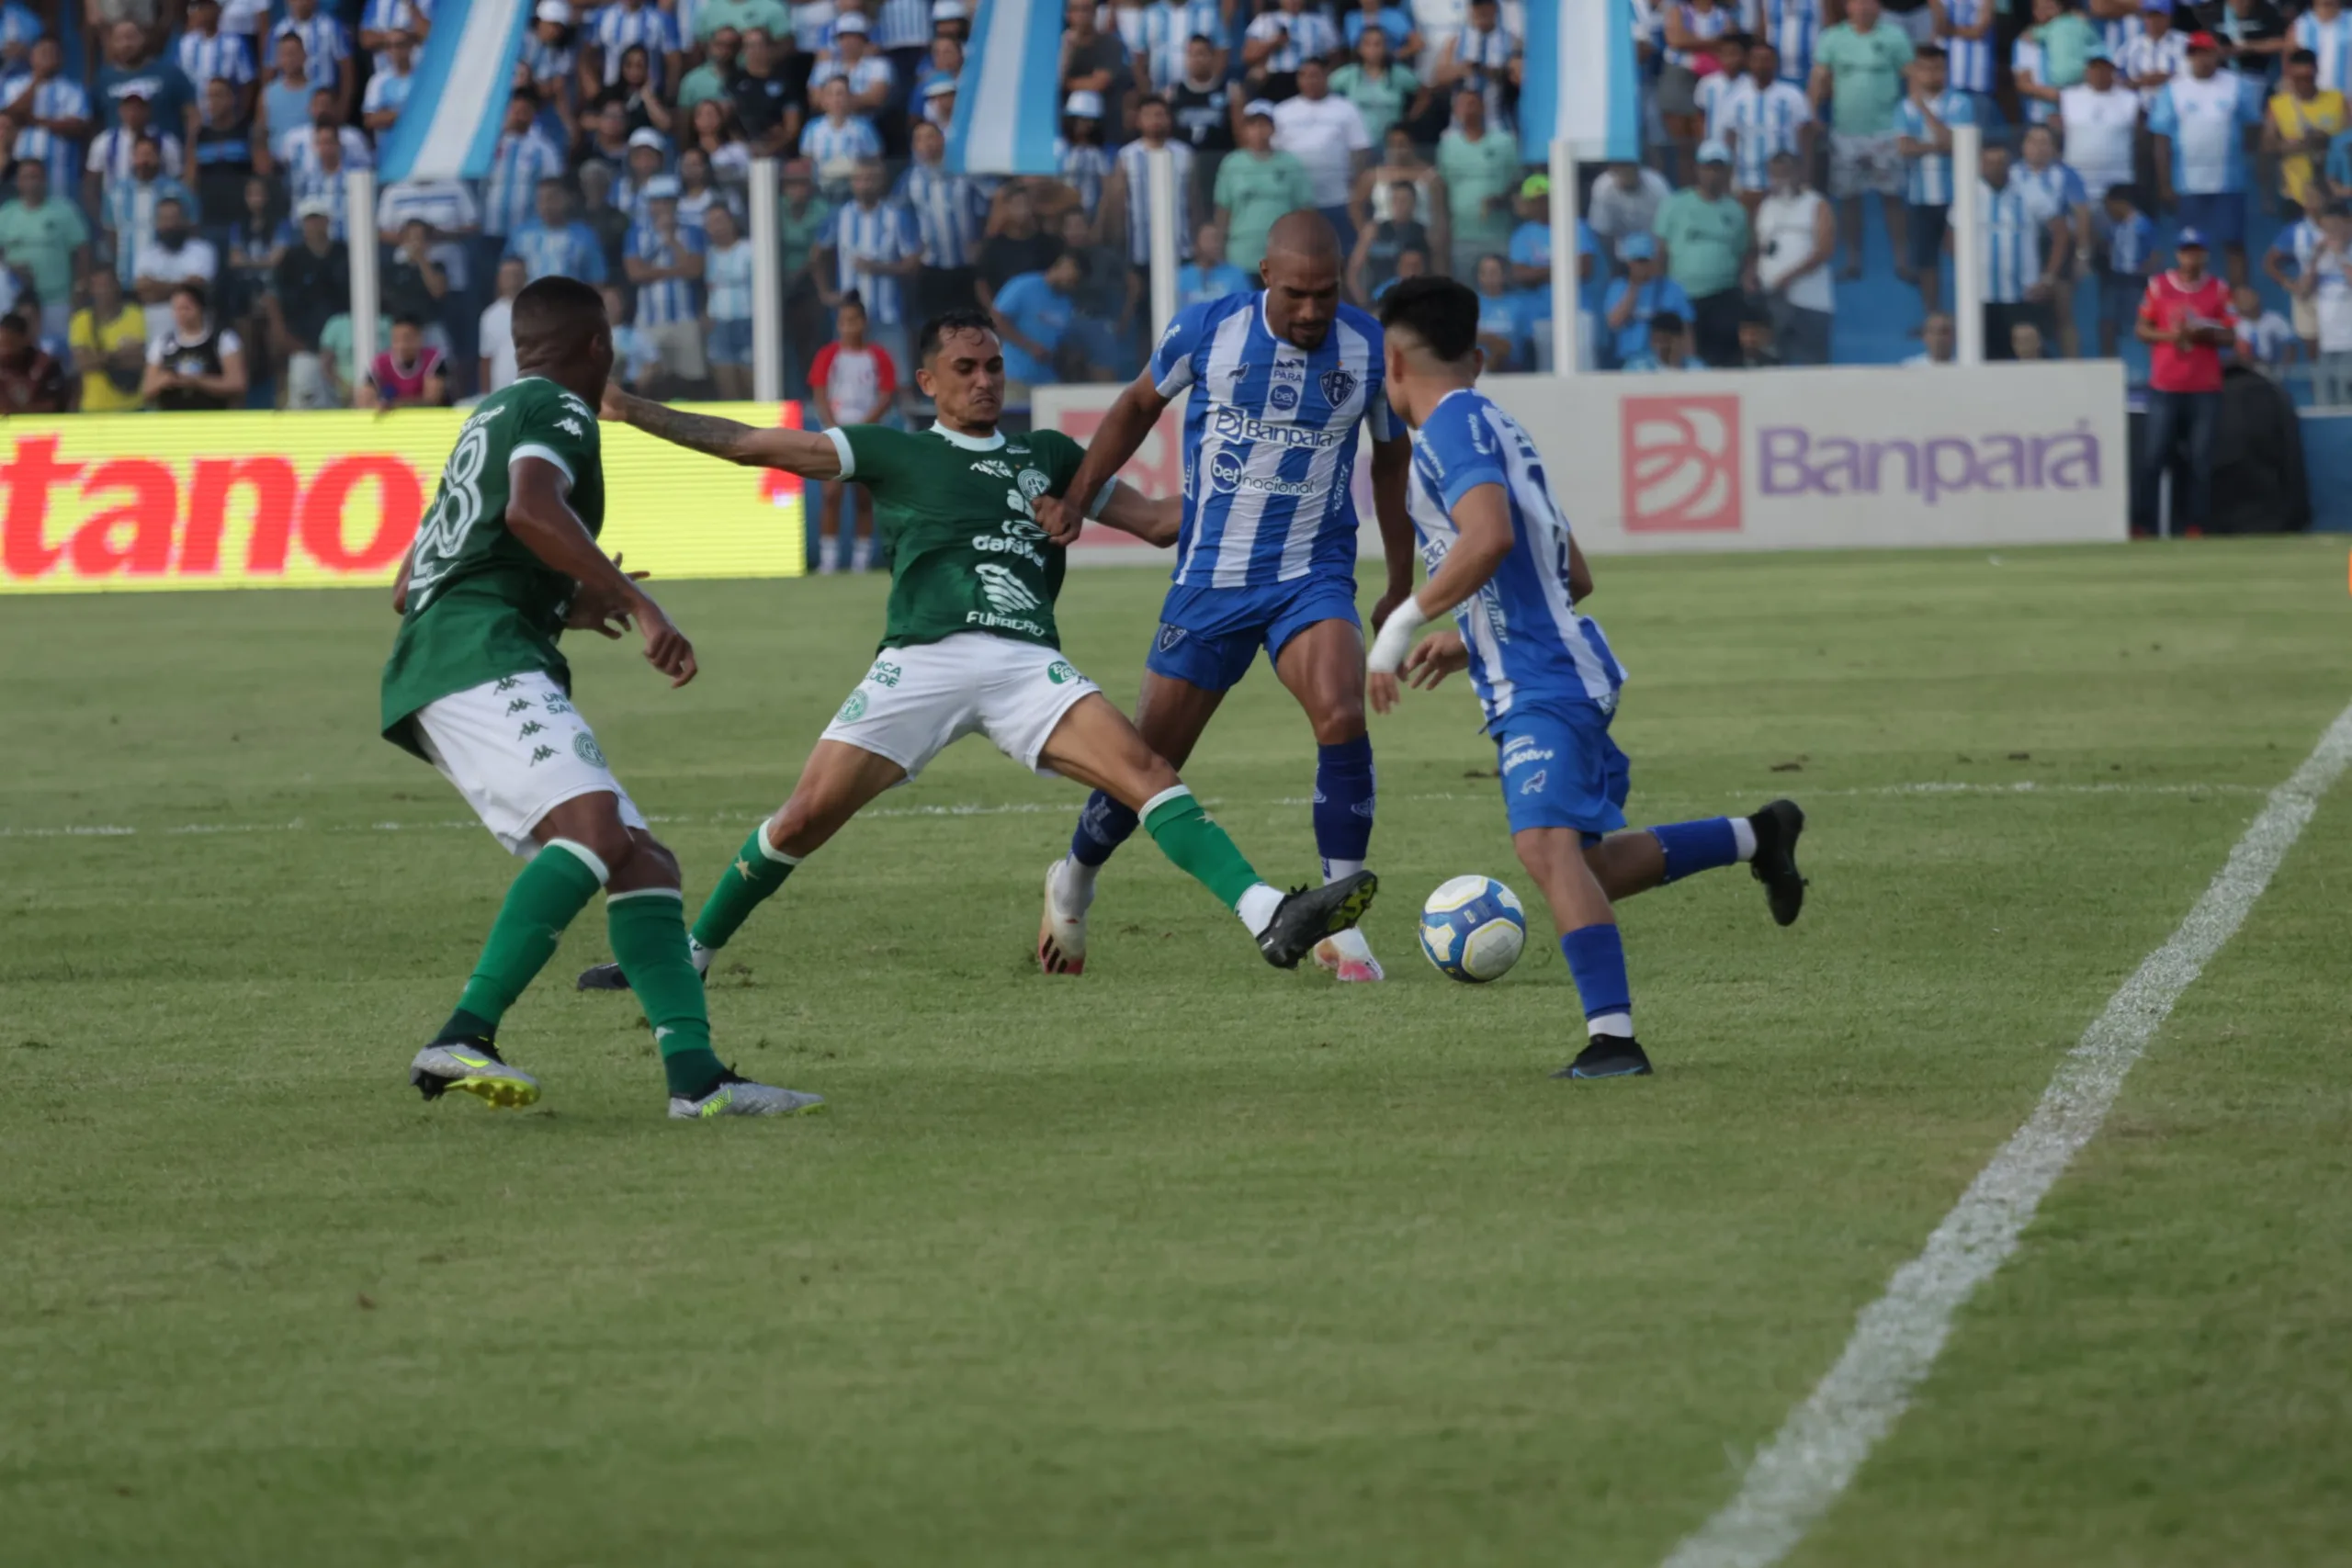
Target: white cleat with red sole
x=1349 y=958
x=1061 y=933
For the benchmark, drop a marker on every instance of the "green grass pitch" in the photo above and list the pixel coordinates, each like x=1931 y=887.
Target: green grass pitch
x=1187 y=1261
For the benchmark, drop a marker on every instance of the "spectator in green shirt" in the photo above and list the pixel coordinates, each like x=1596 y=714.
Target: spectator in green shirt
x=741 y=16
x=1703 y=231
x=1383 y=91
x=1480 y=167
x=1256 y=186
x=713 y=77
x=46 y=243
x=1857 y=73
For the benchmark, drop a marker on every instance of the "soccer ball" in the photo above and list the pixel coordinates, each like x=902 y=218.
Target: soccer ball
x=1472 y=929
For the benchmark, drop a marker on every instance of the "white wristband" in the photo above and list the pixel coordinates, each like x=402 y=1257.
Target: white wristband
x=1395 y=639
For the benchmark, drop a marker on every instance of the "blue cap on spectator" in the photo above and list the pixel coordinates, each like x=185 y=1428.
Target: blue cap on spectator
x=1638 y=247
x=2188 y=237
x=662 y=187
x=1084 y=105
x=1713 y=152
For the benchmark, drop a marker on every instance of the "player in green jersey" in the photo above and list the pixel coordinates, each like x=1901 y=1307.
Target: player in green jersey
x=506 y=559
x=969 y=643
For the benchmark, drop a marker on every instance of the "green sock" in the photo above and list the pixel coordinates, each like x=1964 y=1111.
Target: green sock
x=553 y=888
x=648 y=932
x=1198 y=846
x=758 y=871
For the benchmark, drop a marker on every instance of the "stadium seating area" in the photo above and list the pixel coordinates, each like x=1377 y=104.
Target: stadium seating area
x=163 y=141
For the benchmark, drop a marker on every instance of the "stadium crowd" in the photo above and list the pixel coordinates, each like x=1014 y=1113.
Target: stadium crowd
x=178 y=235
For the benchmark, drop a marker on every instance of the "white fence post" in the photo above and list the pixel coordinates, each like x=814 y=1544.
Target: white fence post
x=1568 y=300
x=767 y=285
x=365 y=251
x=1968 y=242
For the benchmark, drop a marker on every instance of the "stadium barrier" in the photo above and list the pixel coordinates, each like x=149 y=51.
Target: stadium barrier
x=100 y=502
x=1793 y=460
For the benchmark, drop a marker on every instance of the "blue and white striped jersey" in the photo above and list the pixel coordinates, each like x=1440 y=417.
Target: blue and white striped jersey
x=812 y=25
x=2049 y=191
x=2026 y=58
x=726 y=281
x=511 y=193
x=1705 y=26
x=110 y=155
x=2115 y=32
x=2131 y=244
x=1270 y=440
x=57 y=98
x=950 y=212
x=387 y=90
x=669 y=301
x=2331 y=42
x=1134 y=162
x=2012 y=242
x=1758 y=122
x=225 y=55
x=1796 y=28
x=1298 y=37
x=1969 y=60
x=2205 y=121
x=1085 y=167
x=325 y=44
x=617 y=29
x=872 y=71
x=1487 y=56
x=1529 y=647
x=1927 y=179
x=836 y=149
x=315 y=184
x=1164 y=30
x=902 y=24
x=2147 y=56
x=861 y=237
x=569 y=252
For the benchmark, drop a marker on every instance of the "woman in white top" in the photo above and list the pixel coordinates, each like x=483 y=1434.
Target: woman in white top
x=1796 y=233
x=1401 y=164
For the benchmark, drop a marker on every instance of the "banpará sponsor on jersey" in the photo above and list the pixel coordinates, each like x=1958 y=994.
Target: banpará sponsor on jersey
x=1232 y=424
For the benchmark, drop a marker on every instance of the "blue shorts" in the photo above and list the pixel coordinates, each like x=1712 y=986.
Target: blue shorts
x=2221 y=215
x=730 y=342
x=1560 y=769
x=1209 y=636
x=1924 y=228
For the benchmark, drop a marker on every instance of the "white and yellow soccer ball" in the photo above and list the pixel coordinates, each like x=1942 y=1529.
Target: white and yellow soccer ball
x=1472 y=929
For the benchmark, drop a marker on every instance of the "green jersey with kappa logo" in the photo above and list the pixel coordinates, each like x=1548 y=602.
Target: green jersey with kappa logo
x=966 y=552
x=480 y=605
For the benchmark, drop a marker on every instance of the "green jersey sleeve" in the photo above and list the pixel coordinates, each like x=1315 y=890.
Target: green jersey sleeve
x=876 y=455
x=560 y=427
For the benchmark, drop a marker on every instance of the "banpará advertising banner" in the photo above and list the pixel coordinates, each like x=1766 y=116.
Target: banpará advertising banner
x=90 y=503
x=1866 y=456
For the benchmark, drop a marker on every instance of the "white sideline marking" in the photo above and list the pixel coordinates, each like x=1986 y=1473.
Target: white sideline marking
x=1897 y=1337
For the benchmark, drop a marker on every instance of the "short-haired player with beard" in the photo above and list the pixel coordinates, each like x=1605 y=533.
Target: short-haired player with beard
x=1281 y=382
x=1500 y=558
x=970 y=643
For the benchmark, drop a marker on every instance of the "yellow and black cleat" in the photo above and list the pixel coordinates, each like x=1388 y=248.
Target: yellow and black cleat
x=471 y=1066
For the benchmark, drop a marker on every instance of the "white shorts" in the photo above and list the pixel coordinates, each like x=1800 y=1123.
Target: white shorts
x=516 y=749
x=917 y=702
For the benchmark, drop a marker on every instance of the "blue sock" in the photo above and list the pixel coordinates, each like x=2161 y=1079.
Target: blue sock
x=1596 y=957
x=1103 y=827
x=1697 y=846
x=1344 y=788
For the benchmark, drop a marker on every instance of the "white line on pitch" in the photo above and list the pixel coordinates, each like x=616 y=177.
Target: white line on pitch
x=1825 y=1441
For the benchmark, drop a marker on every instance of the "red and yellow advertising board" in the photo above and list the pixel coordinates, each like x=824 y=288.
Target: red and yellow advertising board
x=100 y=502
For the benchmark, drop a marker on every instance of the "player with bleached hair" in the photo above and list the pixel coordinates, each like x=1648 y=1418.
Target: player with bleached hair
x=1500 y=558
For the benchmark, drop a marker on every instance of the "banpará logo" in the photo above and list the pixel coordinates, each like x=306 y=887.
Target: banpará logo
x=884 y=673
x=1232 y=424
x=853 y=709
x=1679 y=463
x=584 y=747
x=1061 y=671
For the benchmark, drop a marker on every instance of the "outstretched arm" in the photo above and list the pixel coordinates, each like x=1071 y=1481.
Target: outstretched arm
x=1482 y=521
x=1392 y=469
x=1156 y=523
x=540 y=517
x=1116 y=440
x=809 y=454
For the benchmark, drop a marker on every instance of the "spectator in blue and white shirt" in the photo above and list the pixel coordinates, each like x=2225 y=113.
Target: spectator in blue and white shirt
x=1128 y=199
x=1208 y=275
x=1922 y=123
x=627 y=23
x=727 y=271
x=554 y=243
x=18 y=27
x=1966 y=28
x=870 y=247
x=113 y=152
x=1171 y=25
x=837 y=141
x=2062 y=206
x=1793 y=26
x=2153 y=55
x=2127 y=263
x=126 y=214
x=902 y=30
x=319 y=177
x=1761 y=114
x=649 y=157
x=380 y=18
x=871 y=80
x=522 y=158
x=388 y=88
x=1277 y=40
x=951 y=216
x=2285 y=263
x=1079 y=152
x=1484 y=58
x=2198 y=123
x=2019 y=273
x=326 y=47
x=53 y=114
x=205 y=52
x=665 y=261
x=2327 y=30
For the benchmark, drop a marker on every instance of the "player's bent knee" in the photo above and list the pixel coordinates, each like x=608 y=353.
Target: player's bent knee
x=650 y=865
x=1340 y=723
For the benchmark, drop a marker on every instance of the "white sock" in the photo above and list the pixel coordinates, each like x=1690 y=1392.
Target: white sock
x=701 y=955
x=829 y=554
x=1620 y=1024
x=1257 y=909
x=861 y=555
x=1743 y=838
x=1334 y=870
x=1074 y=884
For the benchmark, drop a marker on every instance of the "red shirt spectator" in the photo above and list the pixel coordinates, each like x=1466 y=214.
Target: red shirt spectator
x=857 y=382
x=2196 y=318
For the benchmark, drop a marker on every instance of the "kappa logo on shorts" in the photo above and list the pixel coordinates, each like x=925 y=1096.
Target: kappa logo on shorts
x=520 y=704
x=1337 y=386
x=853 y=709
x=530 y=726
x=584 y=745
x=1169 y=638
x=1061 y=671
x=541 y=755
x=1534 y=785
x=508 y=684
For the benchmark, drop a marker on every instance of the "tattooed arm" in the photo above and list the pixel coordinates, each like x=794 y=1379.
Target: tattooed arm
x=810 y=454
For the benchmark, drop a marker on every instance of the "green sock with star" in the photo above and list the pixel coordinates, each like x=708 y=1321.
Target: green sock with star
x=648 y=929
x=549 y=893
x=758 y=871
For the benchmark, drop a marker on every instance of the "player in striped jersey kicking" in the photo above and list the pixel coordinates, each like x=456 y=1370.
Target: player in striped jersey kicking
x=1282 y=381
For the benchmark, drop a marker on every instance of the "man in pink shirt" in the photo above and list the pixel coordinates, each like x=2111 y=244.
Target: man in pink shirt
x=2186 y=319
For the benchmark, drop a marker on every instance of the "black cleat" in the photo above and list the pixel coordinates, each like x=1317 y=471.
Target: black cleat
x=608 y=977
x=1609 y=1057
x=1777 y=827
x=1310 y=914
